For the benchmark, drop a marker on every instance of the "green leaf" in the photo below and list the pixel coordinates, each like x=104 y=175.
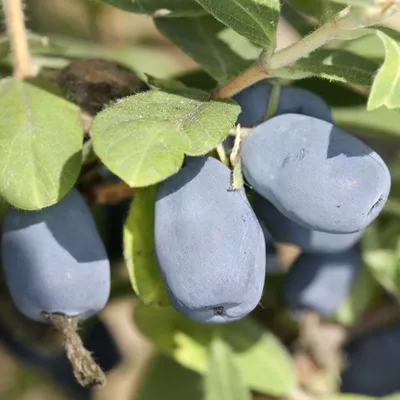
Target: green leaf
x=160 y=8
x=143 y=138
x=369 y=46
x=199 y=38
x=320 y=9
x=337 y=65
x=379 y=120
x=41 y=138
x=198 y=79
x=139 y=249
x=165 y=84
x=165 y=378
x=385 y=267
x=224 y=381
x=395 y=396
x=3 y=209
x=257 y=20
x=352 y=397
x=239 y=44
x=385 y=90
x=357 y=3
x=262 y=360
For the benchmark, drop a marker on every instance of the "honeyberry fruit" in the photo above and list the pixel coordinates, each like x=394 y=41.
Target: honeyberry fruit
x=316 y=174
x=283 y=229
x=54 y=260
x=254 y=102
x=371 y=363
x=320 y=282
x=209 y=245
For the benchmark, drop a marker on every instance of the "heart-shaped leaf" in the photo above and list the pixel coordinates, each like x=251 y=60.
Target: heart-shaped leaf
x=143 y=138
x=257 y=20
x=41 y=144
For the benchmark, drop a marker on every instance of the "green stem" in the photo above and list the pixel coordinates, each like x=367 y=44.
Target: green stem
x=344 y=25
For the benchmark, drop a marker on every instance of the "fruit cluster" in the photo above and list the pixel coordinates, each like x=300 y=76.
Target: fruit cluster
x=314 y=186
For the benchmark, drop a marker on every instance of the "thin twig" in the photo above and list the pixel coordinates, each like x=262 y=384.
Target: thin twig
x=249 y=77
x=15 y=22
x=343 y=25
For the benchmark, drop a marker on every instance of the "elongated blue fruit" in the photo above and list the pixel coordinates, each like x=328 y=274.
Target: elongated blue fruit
x=254 y=102
x=371 y=365
x=320 y=282
x=54 y=260
x=284 y=230
x=209 y=245
x=316 y=174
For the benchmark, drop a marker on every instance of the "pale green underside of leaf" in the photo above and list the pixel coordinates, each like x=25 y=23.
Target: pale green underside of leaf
x=199 y=38
x=385 y=267
x=261 y=359
x=352 y=397
x=161 y=8
x=379 y=120
x=223 y=381
x=40 y=142
x=139 y=249
x=320 y=9
x=257 y=20
x=385 y=90
x=357 y=301
x=143 y=138
x=239 y=44
x=337 y=65
x=358 y=3
x=166 y=379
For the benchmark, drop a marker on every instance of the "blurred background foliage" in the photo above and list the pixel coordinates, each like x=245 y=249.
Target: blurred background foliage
x=87 y=28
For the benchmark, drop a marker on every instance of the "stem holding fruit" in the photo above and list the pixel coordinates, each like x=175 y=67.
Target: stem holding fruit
x=15 y=23
x=86 y=371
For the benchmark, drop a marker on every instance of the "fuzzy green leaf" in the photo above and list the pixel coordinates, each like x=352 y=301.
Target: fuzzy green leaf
x=41 y=141
x=160 y=8
x=200 y=39
x=166 y=379
x=262 y=360
x=224 y=381
x=143 y=138
x=385 y=267
x=320 y=9
x=257 y=20
x=385 y=90
x=139 y=249
x=335 y=64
